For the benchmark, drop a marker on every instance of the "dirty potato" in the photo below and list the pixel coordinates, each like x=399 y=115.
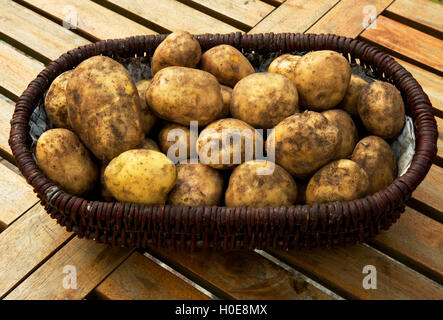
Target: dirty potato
x=104 y=107
x=375 y=156
x=264 y=99
x=55 y=101
x=178 y=49
x=226 y=96
x=285 y=65
x=350 y=101
x=226 y=143
x=149 y=119
x=182 y=95
x=150 y=144
x=341 y=180
x=65 y=160
x=227 y=64
x=348 y=132
x=248 y=186
x=381 y=109
x=304 y=142
x=175 y=141
x=322 y=79
x=197 y=185
x=140 y=176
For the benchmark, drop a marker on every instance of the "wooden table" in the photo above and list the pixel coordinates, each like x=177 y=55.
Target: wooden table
x=40 y=260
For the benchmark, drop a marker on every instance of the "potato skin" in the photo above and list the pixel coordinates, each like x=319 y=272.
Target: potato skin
x=66 y=161
x=227 y=64
x=226 y=96
x=341 y=180
x=197 y=185
x=140 y=176
x=178 y=49
x=381 y=109
x=285 y=65
x=247 y=188
x=104 y=107
x=264 y=99
x=55 y=101
x=212 y=136
x=322 y=79
x=348 y=132
x=150 y=145
x=104 y=191
x=183 y=141
x=350 y=101
x=303 y=143
x=375 y=156
x=149 y=119
x=181 y=95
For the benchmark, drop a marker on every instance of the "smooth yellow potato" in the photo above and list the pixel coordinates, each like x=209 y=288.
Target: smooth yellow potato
x=149 y=119
x=247 y=188
x=197 y=185
x=348 y=132
x=350 y=101
x=105 y=192
x=182 y=95
x=140 y=176
x=375 y=156
x=180 y=138
x=178 y=49
x=341 y=180
x=227 y=64
x=226 y=96
x=55 y=101
x=65 y=160
x=264 y=99
x=322 y=79
x=150 y=145
x=304 y=142
x=104 y=107
x=381 y=109
x=285 y=65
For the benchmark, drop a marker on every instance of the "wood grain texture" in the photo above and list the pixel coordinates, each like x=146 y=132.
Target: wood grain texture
x=416 y=240
x=239 y=275
x=294 y=16
x=91 y=262
x=139 y=278
x=350 y=17
x=408 y=42
x=440 y=140
x=26 y=244
x=6 y=110
x=90 y=18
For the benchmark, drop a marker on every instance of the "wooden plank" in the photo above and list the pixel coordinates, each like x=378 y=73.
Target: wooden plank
x=294 y=16
x=342 y=269
x=239 y=275
x=349 y=17
x=89 y=18
x=6 y=110
x=415 y=240
x=17 y=70
x=140 y=278
x=86 y=261
x=418 y=13
x=26 y=244
x=171 y=15
x=42 y=36
x=402 y=40
x=440 y=141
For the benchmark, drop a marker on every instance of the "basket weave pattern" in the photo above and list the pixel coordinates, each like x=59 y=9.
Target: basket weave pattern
x=133 y=225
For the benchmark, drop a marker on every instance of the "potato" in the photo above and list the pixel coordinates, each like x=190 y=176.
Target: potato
x=149 y=119
x=140 y=176
x=180 y=137
x=226 y=96
x=55 y=101
x=65 y=160
x=197 y=185
x=303 y=143
x=264 y=99
x=220 y=154
x=322 y=79
x=375 y=156
x=348 y=132
x=182 y=95
x=248 y=188
x=150 y=145
x=104 y=107
x=178 y=49
x=381 y=109
x=285 y=65
x=227 y=64
x=350 y=101
x=104 y=191
x=341 y=180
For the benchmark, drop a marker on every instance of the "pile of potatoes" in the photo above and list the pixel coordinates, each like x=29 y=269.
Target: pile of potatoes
x=113 y=136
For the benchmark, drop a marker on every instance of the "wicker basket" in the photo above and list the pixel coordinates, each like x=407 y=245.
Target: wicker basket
x=133 y=225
